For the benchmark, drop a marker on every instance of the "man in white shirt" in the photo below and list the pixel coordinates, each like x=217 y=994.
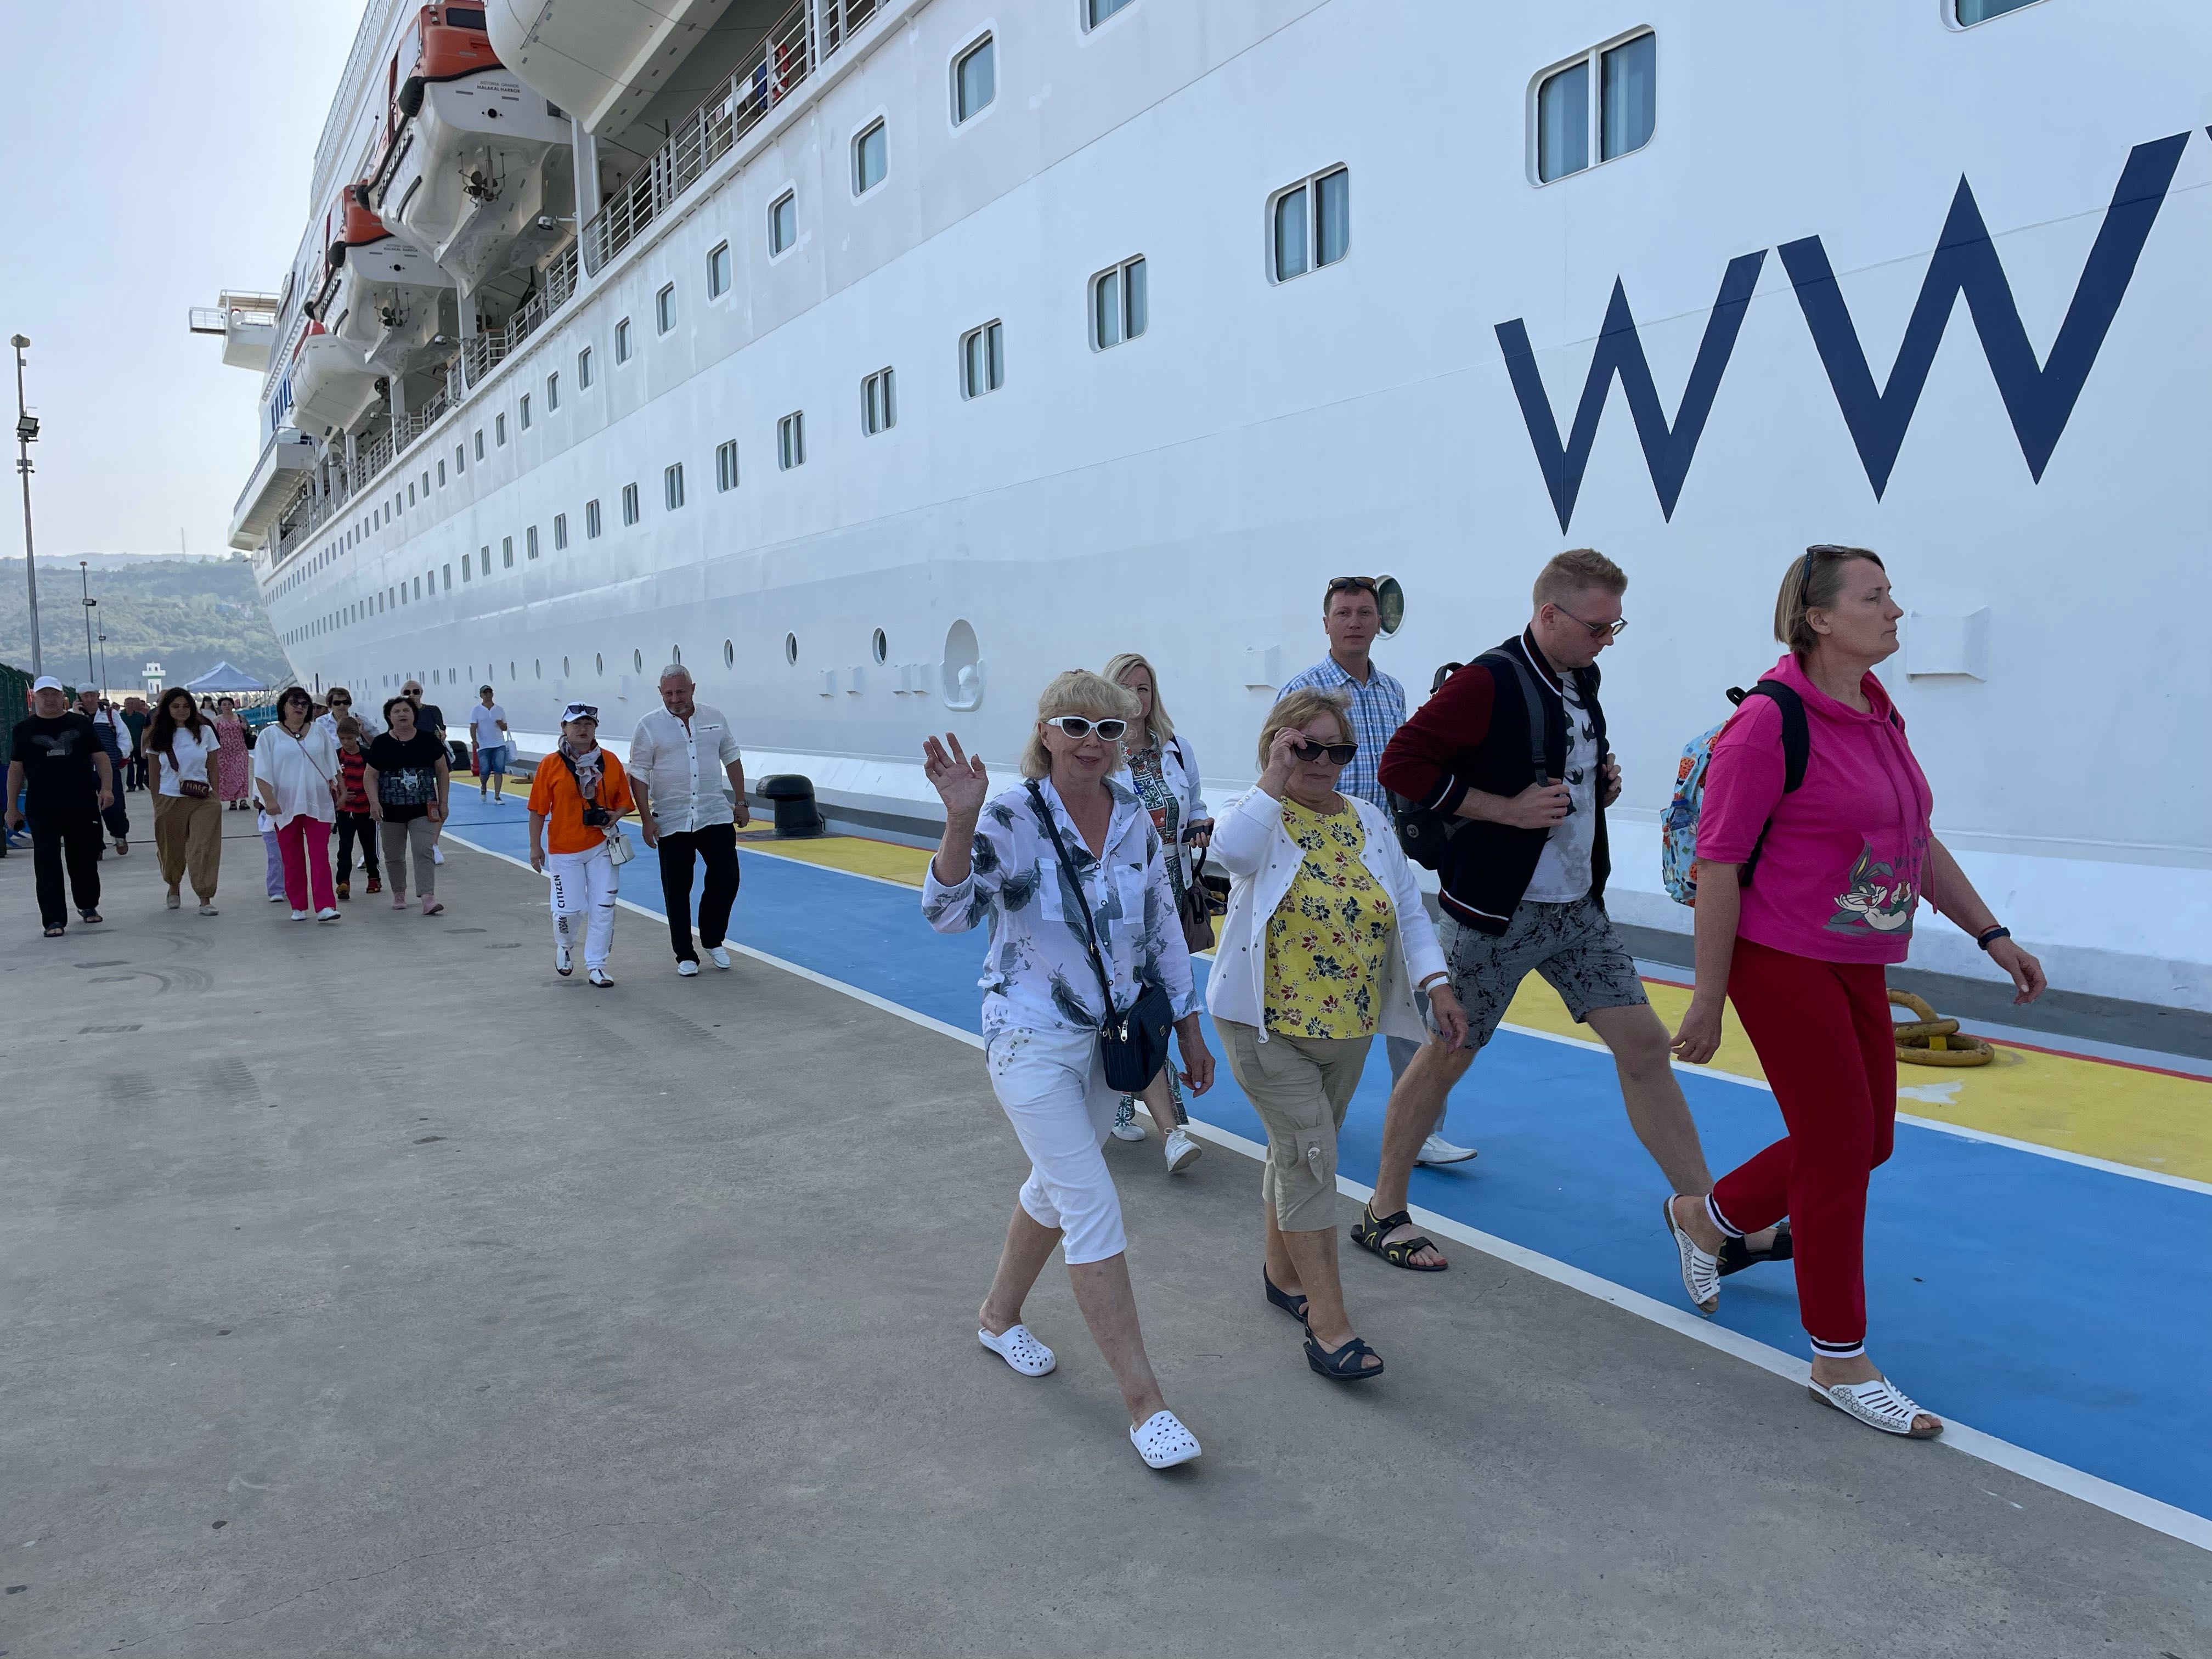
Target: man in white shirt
x=488 y=729
x=678 y=758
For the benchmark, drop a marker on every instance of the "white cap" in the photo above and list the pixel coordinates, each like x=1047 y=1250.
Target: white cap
x=45 y=682
x=578 y=711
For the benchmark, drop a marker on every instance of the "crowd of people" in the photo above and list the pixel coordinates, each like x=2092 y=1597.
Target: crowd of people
x=1503 y=777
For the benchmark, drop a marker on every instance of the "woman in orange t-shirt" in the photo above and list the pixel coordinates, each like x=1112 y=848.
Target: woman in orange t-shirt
x=577 y=799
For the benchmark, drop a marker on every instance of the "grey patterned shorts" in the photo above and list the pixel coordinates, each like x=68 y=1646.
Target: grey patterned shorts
x=1572 y=945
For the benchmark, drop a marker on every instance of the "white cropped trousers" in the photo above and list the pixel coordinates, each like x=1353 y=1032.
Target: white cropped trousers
x=584 y=889
x=1053 y=1087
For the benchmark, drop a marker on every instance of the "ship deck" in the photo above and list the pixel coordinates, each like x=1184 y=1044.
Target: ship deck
x=372 y=1289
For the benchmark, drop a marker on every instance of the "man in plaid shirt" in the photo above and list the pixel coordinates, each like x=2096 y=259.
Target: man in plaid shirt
x=1352 y=617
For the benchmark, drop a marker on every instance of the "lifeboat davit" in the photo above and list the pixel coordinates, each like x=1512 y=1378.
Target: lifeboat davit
x=603 y=62
x=332 y=386
x=466 y=172
x=387 y=298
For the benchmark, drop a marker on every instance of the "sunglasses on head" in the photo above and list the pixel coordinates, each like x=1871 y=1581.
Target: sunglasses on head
x=581 y=715
x=1076 y=726
x=1347 y=584
x=1340 y=754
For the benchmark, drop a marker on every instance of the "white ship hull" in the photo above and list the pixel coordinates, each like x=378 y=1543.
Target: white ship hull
x=1188 y=493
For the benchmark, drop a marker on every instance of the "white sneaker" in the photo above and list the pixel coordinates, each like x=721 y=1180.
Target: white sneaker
x=1126 y=1127
x=1436 y=1150
x=1183 y=1150
x=329 y=912
x=437 y=854
x=689 y=969
x=276 y=898
x=299 y=915
x=719 y=955
x=564 y=963
x=600 y=977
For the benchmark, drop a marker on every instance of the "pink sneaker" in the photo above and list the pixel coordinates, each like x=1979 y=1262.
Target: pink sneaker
x=431 y=907
x=399 y=900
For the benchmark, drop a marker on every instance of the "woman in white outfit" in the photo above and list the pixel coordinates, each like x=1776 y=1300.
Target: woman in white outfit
x=1325 y=944
x=577 y=798
x=296 y=778
x=1157 y=763
x=1042 y=1010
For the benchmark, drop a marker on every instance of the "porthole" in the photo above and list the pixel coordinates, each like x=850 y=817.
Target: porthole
x=791 y=649
x=675 y=655
x=510 y=670
x=962 y=672
x=564 y=668
x=729 y=654
x=537 y=667
x=599 y=662
x=880 y=646
x=637 y=662
x=1390 y=603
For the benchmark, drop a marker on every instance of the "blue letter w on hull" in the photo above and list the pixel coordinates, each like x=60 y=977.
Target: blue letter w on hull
x=1668 y=451
x=2040 y=400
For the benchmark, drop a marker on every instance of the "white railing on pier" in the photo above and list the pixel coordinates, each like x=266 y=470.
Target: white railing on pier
x=790 y=52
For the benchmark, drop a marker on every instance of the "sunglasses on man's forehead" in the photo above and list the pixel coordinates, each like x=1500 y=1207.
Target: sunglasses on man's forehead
x=1353 y=584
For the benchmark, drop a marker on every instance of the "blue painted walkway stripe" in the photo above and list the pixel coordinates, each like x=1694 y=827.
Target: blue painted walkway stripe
x=2066 y=1310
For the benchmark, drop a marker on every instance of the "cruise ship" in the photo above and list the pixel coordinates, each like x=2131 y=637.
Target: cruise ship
x=878 y=359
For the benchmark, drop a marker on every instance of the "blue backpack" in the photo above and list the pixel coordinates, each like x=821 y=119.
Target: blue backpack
x=1678 y=829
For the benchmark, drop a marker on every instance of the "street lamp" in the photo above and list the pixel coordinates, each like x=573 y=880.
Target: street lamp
x=27 y=431
x=84 y=577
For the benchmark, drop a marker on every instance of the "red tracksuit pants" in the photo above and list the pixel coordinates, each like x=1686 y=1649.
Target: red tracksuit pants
x=1822 y=1030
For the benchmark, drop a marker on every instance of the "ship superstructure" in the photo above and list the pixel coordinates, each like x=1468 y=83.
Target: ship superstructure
x=878 y=360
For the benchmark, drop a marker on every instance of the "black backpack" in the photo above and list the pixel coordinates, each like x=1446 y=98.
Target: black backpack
x=1426 y=835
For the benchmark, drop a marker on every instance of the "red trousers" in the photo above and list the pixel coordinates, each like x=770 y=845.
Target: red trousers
x=304 y=846
x=1822 y=1030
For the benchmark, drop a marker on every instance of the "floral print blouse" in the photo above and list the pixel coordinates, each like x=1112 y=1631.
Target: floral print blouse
x=1037 y=973
x=1326 y=940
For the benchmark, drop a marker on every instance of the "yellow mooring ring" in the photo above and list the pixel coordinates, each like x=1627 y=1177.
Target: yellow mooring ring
x=1930 y=1040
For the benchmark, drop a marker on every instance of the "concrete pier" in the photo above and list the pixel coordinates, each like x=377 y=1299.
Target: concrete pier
x=368 y=1289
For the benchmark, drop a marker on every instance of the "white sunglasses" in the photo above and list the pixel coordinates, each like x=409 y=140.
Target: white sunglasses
x=1076 y=726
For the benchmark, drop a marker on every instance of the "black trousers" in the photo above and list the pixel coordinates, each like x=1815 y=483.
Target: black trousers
x=71 y=839
x=717 y=847
x=357 y=827
x=118 y=818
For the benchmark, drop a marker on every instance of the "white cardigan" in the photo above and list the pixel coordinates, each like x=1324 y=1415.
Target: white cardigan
x=1251 y=844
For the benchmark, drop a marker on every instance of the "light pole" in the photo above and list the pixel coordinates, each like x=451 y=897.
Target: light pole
x=84 y=578
x=26 y=430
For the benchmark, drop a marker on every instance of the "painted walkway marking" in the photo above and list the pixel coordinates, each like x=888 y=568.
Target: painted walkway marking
x=2007 y=1289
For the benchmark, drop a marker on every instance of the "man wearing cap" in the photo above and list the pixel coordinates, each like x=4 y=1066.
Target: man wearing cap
x=577 y=798
x=57 y=768
x=487 y=730
x=678 y=758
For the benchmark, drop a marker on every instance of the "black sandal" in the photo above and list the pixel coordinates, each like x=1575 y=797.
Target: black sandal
x=1288 y=1302
x=56 y=932
x=1367 y=1233
x=1343 y=1365
x=1737 y=1256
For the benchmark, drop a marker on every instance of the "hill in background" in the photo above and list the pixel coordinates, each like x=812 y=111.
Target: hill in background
x=186 y=614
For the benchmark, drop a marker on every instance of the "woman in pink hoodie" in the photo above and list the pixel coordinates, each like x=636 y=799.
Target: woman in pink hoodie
x=1841 y=863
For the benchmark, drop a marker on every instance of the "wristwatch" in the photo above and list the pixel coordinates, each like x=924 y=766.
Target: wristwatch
x=1990 y=936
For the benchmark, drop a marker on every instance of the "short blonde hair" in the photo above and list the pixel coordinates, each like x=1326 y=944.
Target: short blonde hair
x=1157 y=726
x=1577 y=571
x=1301 y=708
x=1814 y=582
x=1077 y=691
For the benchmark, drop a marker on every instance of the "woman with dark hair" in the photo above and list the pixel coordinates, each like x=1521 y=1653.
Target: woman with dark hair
x=1842 y=862
x=233 y=767
x=296 y=771
x=406 y=777
x=181 y=747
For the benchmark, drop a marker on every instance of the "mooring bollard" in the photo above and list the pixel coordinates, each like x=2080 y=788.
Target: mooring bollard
x=792 y=797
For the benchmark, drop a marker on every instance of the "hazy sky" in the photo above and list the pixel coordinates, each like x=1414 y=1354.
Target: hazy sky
x=158 y=151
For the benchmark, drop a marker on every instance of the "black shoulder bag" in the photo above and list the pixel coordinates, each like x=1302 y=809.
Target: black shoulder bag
x=1132 y=1043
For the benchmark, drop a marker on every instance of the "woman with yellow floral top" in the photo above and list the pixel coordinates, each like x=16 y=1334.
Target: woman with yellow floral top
x=1325 y=942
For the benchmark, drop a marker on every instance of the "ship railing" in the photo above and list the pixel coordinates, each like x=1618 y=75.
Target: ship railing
x=787 y=55
x=372 y=458
x=556 y=286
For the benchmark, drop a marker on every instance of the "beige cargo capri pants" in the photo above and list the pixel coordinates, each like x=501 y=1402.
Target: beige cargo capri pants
x=1301 y=1087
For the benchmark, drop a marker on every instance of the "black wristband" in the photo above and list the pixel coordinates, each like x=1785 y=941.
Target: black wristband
x=1991 y=936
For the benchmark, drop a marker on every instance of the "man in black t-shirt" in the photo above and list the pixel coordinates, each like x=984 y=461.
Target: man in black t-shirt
x=57 y=767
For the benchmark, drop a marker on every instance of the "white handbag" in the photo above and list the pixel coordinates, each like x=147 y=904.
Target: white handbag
x=619 y=851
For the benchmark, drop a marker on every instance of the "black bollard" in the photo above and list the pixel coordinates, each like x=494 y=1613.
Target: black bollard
x=792 y=797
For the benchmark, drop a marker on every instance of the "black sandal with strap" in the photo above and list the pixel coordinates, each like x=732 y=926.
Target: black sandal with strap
x=1289 y=1301
x=1369 y=1232
x=1344 y=1365
x=1736 y=1255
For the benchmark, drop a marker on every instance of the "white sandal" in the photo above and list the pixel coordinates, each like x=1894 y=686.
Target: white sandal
x=1879 y=1405
x=1701 y=1270
x=1019 y=1349
x=1162 y=1441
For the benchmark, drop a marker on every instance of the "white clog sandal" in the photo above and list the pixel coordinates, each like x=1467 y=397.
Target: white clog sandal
x=1701 y=1269
x=1162 y=1441
x=1879 y=1405
x=1019 y=1349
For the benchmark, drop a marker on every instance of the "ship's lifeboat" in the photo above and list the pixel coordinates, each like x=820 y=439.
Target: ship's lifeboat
x=387 y=297
x=332 y=386
x=603 y=62
x=468 y=170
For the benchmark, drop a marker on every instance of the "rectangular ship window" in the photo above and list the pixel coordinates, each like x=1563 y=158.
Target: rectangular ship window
x=465 y=567
x=530 y=543
x=672 y=486
x=726 y=466
x=1312 y=224
x=717 y=271
x=664 y=307
x=871 y=159
x=1570 y=127
x=559 y=530
x=1119 y=304
x=507 y=552
x=526 y=411
x=622 y=341
x=878 y=403
x=783 y=222
x=584 y=369
x=552 y=392
x=790 y=441
x=974 y=79
x=629 y=503
x=591 y=520
x=982 y=360
x=499 y=428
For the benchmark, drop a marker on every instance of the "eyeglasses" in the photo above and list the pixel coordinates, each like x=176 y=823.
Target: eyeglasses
x=1344 y=584
x=1076 y=726
x=1598 y=630
x=1340 y=754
